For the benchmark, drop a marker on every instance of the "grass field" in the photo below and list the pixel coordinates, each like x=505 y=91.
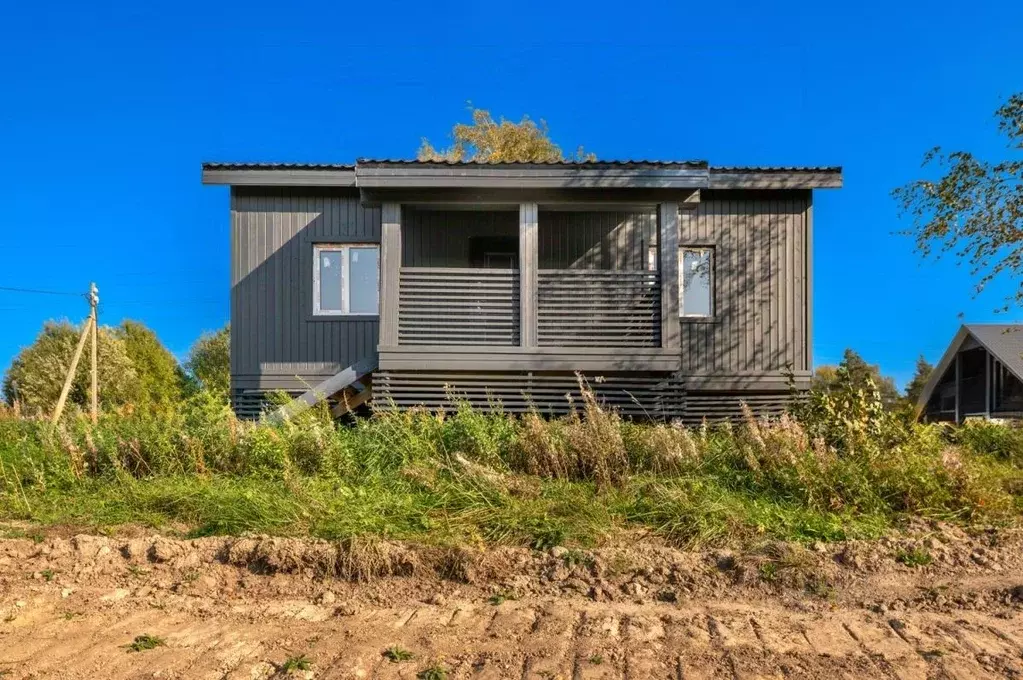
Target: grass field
x=840 y=467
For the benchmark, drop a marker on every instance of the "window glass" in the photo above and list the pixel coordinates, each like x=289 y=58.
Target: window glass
x=695 y=272
x=331 y=278
x=363 y=282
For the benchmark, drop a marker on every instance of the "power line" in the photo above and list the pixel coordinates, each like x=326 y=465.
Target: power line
x=37 y=291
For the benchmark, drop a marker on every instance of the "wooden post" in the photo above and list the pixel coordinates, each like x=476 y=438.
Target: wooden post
x=390 y=272
x=86 y=327
x=667 y=249
x=528 y=265
x=958 y=385
x=93 y=302
x=987 y=384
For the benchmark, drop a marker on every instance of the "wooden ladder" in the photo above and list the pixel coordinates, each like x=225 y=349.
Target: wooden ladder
x=352 y=387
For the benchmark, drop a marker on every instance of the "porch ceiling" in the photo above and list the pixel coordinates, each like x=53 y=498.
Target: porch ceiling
x=454 y=198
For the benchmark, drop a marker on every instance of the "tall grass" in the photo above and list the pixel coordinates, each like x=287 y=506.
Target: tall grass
x=839 y=466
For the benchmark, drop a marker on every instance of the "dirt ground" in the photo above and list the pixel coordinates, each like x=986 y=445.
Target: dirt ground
x=70 y=606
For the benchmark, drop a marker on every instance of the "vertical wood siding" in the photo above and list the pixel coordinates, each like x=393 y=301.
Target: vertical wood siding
x=760 y=244
x=441 y=238
x=275 y=340
x=596 y=239
x=566 y=240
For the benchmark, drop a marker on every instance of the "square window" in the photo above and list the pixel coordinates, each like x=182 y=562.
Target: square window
x=346 y=280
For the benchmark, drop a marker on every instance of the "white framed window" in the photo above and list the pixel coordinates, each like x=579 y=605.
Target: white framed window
x=346 y=279
x=695 y=279
x=696 y=282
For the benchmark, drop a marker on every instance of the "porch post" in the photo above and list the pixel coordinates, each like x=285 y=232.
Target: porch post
x=667 y=239
x=958 y=385
x=528 y=265
x=987 y=384
x=390 y=265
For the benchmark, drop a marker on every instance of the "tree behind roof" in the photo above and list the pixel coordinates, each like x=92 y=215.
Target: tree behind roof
x=485 y=140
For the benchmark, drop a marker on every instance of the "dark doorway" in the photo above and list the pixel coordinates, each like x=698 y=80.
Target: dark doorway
x=494 y=252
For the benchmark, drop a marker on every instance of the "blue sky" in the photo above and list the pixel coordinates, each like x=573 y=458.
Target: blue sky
x=107 y=110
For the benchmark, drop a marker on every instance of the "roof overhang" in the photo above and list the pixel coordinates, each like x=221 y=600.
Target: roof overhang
x=522 y=176
x=782 y=178
x=269 y=175
x=568 y=176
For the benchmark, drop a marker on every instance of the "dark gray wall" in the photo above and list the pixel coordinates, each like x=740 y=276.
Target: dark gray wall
x=440 y=238
x=567 y=239
x=596 y=239
x=761 y=283
x=761 y=277
x=275 y=340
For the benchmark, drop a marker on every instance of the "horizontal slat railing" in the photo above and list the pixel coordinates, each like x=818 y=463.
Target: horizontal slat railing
x=598 y=308
x=449 y=306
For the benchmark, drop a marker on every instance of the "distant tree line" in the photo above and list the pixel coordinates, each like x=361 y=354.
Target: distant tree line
x=135 y=369
x=863 y=375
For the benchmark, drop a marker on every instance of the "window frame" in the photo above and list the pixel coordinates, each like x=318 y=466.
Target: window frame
x=346 y=300
x=711 y=284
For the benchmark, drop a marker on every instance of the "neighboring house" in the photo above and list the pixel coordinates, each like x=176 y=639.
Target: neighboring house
x=678 y=289
x=980 y=375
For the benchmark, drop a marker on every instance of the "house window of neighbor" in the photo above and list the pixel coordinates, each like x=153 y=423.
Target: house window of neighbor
x=696 y=282
x=346 y=280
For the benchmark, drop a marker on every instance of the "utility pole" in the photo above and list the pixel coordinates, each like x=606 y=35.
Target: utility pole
x=88 y=327
x=93 y=302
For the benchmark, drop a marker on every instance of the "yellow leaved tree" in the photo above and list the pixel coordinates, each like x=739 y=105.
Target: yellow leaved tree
x=485 y=140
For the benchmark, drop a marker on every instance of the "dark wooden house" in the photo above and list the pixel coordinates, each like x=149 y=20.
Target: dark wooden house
x=979 y=376
x=678 y=289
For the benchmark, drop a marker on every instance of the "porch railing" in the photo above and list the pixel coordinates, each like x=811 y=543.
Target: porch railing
x=458 y=306
x=598 y=308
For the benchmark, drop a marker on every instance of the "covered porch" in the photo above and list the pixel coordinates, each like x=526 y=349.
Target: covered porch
x=530 y=286
x=978 y=377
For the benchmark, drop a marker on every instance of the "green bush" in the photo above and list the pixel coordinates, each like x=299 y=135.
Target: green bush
x=37 y=374
x=985 y=437
x=161 y=380
x=209 y=361
x=265 y=452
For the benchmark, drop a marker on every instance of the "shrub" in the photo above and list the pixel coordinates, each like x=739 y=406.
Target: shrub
x=36 y=376
x=265 y=452
x=985 y=437
x=209 y=361
x=210 y=433
x=594 y=442
x=661 y=449
x=161 y=381
x=485 y=436
x=539 y=448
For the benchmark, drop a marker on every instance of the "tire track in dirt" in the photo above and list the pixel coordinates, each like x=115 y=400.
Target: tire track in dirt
x=657 y=641
x=68 y=609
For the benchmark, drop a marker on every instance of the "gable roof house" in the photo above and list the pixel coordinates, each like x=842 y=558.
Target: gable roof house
x=980 y=375
x=679 y=289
